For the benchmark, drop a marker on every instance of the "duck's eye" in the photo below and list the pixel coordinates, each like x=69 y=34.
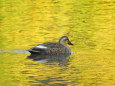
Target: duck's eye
x=66 y=41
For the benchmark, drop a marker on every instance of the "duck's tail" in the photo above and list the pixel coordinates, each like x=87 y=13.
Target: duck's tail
x=34 y=51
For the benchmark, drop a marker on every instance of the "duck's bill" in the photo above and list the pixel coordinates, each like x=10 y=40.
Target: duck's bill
x=70 y=43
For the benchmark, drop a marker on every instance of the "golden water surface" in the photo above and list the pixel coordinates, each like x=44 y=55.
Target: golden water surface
x=90 y=26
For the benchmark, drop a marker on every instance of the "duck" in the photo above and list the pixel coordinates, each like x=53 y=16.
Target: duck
x=59 y=47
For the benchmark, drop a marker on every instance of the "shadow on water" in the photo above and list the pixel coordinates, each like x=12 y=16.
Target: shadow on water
x=61 y=58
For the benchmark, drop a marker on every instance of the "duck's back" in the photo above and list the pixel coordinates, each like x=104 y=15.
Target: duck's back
x=53 y=45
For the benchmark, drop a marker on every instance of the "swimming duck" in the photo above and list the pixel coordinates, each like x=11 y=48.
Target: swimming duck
x=53 y=47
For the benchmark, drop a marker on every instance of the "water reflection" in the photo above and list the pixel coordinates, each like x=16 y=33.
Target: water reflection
x=89 y=25
x=14 y=51
x=41 y=58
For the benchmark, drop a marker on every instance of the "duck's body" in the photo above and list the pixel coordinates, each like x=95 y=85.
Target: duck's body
x=53 y=48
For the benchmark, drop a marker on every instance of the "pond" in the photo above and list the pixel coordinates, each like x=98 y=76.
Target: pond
x=89 y=24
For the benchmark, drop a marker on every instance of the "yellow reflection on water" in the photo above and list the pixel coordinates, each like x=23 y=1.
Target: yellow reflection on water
x=83 y=68
x=89 y=24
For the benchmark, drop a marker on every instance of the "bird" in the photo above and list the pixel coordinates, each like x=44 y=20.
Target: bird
x=53 y=48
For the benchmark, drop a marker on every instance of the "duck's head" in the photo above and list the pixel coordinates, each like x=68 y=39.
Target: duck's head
x=64 y=40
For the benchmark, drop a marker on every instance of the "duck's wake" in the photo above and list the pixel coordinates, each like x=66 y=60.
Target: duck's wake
x=14 y=51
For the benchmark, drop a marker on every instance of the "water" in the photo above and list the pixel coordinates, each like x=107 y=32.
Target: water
x=89 y=24
x=84 y=68
x=14 y=51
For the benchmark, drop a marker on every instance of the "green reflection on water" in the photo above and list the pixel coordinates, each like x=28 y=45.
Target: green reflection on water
x=88 y=23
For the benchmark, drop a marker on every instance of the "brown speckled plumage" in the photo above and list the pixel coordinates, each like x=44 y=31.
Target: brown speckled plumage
x=53 y=48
